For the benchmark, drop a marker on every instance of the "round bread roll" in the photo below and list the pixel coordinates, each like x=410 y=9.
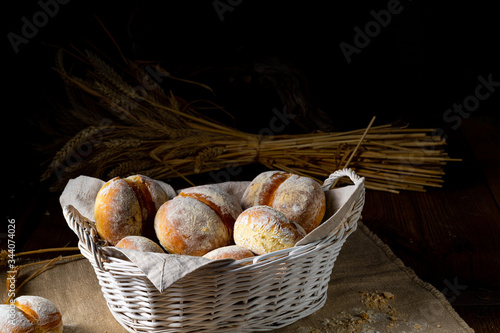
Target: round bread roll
x=301 y=199
x=198 y=220
x=42 y=312
x=186 y=225
x=139 y=243
x=30 y=314
x=127 y=206
x=264 y=229
x=235 y=252
x=13 y=320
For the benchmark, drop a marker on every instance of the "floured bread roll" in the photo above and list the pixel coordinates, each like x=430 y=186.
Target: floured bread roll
x=224 y=204
x=30 y=314
x=197 y=221
x=139 y=243
x=301 y=199
x=235 y=252
x=263 y=229
x=13 y=320
x=127 y=206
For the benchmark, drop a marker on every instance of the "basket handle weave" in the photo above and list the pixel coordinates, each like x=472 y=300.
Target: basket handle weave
x=327 y=184
x=86 y=232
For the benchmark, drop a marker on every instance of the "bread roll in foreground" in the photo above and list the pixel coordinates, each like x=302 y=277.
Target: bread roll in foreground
x=13 y=320
x=30 y=314
x=126 y=207
x=263 y=229
x=301 y=199
x=235 y=252
x=139 y=243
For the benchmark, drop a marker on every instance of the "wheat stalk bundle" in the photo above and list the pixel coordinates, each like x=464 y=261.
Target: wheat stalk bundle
x=131 y=125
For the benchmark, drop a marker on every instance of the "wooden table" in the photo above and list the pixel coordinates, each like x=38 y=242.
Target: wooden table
x=449 y=236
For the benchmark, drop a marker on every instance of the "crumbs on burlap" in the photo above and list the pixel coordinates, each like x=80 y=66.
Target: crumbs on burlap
x=376 y=314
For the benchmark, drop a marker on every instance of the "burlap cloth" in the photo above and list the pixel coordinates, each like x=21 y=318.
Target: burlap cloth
x=370 y=290
x=365 y=267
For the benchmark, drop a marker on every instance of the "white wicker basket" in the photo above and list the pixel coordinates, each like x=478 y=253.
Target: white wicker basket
x=258 y=294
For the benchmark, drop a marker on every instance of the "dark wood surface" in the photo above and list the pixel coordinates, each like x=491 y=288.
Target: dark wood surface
x=449 y=236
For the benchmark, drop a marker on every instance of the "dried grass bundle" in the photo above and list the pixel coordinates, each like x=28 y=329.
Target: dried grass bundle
x=130 y=125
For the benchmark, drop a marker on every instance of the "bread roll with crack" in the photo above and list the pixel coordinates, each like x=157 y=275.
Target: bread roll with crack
x=301 y=199
x=127 y=206
x=198 y=220
x=185 y=225
x=13 y=320
x=224 y=204
x=263 y=229
x=30 y=314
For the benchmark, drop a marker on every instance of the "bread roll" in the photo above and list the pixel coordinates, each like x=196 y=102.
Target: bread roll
x=235 y=252
x=126 y=207
x=139 y=243
x=198 y=220
x=263 y=229
x=42 y=312
x=261 y=189
x=13 y=320
x=30 y=314
x=186 y=225
x=150 y=196
x=224 y=204
x=301 y=199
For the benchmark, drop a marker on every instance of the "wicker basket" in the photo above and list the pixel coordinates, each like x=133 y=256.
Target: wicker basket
x=257 y=294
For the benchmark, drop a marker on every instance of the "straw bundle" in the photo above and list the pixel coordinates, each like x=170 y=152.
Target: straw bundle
x=131 y=125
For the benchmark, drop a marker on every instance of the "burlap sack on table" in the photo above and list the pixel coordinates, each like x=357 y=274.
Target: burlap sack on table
x=165 y=269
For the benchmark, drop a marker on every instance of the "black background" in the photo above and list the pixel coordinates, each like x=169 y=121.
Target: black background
x=428 y=58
